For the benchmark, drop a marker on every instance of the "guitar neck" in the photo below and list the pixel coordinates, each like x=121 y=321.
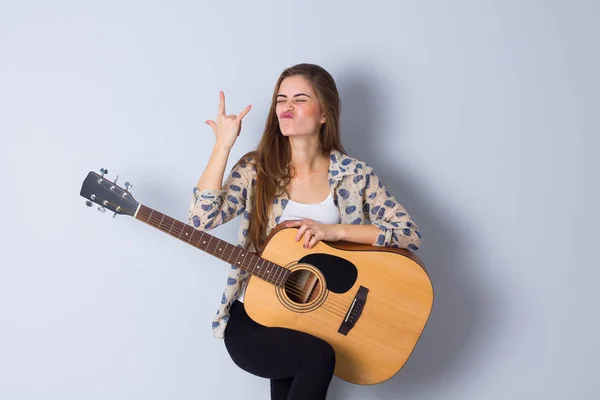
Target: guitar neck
x=247 y=261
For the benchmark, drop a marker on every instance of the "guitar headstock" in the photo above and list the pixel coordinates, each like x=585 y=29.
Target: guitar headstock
x=108 y=195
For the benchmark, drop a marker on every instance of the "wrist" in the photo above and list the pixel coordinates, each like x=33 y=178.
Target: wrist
x=220 y=147
x=340 y=232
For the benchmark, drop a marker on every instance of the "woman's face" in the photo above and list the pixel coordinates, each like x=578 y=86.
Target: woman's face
x=297 y=108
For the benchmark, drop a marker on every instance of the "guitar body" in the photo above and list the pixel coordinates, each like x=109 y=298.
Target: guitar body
x=397 y=307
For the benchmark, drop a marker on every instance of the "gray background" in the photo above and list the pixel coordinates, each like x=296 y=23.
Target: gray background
x=480 y=116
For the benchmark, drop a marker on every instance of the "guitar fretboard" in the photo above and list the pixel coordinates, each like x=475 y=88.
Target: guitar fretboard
x=247 y=261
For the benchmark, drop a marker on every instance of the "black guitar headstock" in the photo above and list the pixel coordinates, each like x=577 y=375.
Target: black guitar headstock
x=108 y=195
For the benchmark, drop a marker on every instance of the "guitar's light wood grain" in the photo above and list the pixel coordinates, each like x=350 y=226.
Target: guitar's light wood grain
x=398 y=305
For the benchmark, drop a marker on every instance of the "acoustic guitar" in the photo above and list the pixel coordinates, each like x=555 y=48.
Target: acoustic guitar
x=369 y=303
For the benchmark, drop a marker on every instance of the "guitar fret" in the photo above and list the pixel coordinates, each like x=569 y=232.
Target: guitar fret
x=191 y=236
x=279 y=270
x=269 y=271
x=200 y=239
x=277 y=274
x=274 y=274
x=247 y=261
x=234 y=251
x=230 y=254
x=251 y=263
x=219 y=247
x=243 y=260
x=208 y=245
x=259 y=268
x=284 y=275
x=240 y=262
x=238 y=256
x=265 y=268
x=253 y=267
x=181 y=230
x=256 y=267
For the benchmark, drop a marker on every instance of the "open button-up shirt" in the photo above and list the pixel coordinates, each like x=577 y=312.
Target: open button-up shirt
x=357 y=192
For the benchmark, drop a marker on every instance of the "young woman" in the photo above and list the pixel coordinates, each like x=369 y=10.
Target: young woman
x=299 y=174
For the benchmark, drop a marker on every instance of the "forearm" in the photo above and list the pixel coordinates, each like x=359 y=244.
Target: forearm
x=212 y=178
x=358 y=233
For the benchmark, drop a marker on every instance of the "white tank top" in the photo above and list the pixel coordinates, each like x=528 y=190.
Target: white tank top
x=325 y=212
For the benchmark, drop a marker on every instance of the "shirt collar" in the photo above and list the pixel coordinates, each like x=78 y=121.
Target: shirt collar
x=341 y=165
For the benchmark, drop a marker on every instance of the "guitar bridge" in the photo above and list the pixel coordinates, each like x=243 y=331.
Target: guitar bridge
x=354 y=311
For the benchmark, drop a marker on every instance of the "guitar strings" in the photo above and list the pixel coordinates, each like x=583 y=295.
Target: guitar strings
x=291 y=282
x=132 y=203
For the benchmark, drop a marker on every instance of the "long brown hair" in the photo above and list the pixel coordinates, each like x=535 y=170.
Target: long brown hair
x=273 y=153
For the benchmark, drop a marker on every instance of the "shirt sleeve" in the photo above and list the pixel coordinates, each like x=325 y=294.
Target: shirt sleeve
x=210 y=208
x=397 y=228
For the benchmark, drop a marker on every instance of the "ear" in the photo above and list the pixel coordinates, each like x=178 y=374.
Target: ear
x=322 y=120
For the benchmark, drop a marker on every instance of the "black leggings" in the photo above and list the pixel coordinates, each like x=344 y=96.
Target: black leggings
x=299 y=365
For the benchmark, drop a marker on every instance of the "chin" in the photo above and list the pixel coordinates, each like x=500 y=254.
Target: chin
x=290 y=133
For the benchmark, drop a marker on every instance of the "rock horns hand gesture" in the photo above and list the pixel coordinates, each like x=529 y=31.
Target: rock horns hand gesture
x=227 y=127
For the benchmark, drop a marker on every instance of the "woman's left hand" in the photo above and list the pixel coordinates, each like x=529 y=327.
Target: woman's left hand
x=314 y=232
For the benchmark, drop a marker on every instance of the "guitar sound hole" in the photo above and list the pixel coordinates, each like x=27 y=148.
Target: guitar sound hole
x=302 y=286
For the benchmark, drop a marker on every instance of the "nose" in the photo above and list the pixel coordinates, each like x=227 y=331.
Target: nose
x=285 y=104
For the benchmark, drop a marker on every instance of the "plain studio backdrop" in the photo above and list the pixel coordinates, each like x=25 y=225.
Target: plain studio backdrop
x=481 y=117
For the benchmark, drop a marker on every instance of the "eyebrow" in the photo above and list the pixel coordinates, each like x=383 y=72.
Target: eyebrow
x=296 y=95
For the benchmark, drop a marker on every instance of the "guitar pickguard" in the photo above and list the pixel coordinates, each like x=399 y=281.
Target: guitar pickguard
x=340 y=274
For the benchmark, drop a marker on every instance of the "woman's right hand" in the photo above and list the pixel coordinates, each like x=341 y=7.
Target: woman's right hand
x=227 y=127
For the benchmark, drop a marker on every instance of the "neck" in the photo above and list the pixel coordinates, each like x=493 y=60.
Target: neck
x=306 y=154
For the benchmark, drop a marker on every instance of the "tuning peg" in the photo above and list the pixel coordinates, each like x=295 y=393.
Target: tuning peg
x=114 y=215
x=103 y=171
x=101 y=209
x=115 y=181
x=88 y=203
x=128 y=186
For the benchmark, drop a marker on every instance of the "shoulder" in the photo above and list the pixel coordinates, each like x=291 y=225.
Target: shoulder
x=349 y=168
x=245 y=167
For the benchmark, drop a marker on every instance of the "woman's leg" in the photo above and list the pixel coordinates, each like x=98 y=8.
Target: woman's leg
x=280 y=388
x=293 y=360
